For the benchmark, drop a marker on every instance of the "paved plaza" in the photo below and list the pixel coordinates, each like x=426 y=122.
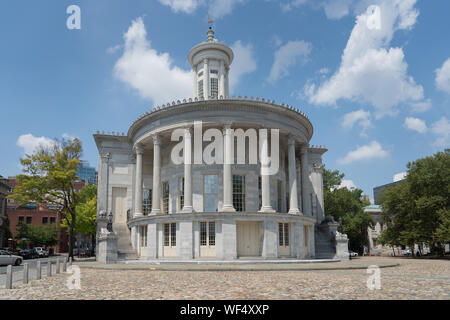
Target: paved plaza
x=410 y=279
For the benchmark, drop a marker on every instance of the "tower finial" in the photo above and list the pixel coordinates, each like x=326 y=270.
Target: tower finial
x=210 y=32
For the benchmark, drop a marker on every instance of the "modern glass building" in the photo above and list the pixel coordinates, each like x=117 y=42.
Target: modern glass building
x=85 y=172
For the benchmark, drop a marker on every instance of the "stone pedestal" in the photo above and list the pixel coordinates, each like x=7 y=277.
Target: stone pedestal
x=341 y=246
x=107 y=246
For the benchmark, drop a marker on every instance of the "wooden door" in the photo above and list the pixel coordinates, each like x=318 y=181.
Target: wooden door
x=248 y=238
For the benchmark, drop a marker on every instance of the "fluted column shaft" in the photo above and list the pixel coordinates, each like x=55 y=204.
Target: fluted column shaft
x=306 y=200
x=187 y=171
x=265 y=178
x=206 y=79
x=156 y=192
x=293 y=200
x=227 y=173
x=138 y=187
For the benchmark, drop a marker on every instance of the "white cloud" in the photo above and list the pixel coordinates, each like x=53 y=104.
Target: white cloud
x=152 y=74
x=371 y=151
x=349 y=184
x=334 y=9
x=220 y=8
x=370 y=71
x=187 y=6
x=361 y=117
x=287 y=56
x=217 y=8
x=113 y=49
x=441 y=128
x=415 y=124
x=443 y=77
x=243 y=63
x=30 y=143
x=400 y=176
x=421 y=106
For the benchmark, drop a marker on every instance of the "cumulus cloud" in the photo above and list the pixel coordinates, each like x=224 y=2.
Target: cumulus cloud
x=371 y=71
x=243 y=63
x=334 y=9
x=187 y=6
x=371 y=151
x=415 y=124
x=441 y=128
x=360 y=117
x=150 y=73
x=288 y=55
x=443 y=77
x=217 y=8
x=30 y=143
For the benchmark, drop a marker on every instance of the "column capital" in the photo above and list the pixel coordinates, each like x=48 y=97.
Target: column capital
x=226 y=126
x=139 y=149
x=291 y=140
x=205 y=61
x=105 y=156
x=156 y=139
x=304 y=149
x=188 y=131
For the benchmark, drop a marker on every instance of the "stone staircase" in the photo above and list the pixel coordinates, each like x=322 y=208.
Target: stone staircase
x=125 y=250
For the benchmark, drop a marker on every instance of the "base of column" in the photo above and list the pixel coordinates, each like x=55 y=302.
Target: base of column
x=187 y=209
x=138 y=215
x=294 y=211
x=228 y=209
x=155 y=212
x=267 y=210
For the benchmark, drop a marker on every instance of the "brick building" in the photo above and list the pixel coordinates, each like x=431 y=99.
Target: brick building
x=37 y=215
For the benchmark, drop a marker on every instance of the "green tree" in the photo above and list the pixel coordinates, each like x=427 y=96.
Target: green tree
x=347 y=205
x=49 y=177
x=417 y=210
x=86 y=212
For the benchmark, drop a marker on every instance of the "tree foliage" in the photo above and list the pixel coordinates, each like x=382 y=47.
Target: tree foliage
x=347 y=205
x=49 y=177
x=417 y=210
x=45 y=236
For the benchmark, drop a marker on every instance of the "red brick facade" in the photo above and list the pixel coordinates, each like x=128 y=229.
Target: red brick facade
x=37 y=215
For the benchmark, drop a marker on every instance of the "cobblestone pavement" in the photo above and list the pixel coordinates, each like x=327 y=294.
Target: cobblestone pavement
x=413 y=279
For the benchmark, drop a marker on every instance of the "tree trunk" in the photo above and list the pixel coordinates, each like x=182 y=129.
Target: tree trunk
x=393 y=251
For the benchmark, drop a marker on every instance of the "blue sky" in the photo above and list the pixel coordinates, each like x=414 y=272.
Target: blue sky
x=376 y=90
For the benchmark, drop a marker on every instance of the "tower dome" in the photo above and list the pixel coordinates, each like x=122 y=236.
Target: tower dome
x=210 y=60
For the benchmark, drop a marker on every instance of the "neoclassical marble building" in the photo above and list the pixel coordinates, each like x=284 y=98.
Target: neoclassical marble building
x=226 y=205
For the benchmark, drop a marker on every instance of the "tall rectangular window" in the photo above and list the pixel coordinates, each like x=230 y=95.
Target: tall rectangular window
x=52 y=219
x=200 y=88
x=207 y=233
x=147 y=201
x=280 y=197
x=44 y=220
x=210 y=187
x=180 y=193
x=260 y=192
x=143 y=236
x=214 y=87
x=165 y=196
x=170 y=234
x=283 y=234
x=239 y=193
x=29 y=220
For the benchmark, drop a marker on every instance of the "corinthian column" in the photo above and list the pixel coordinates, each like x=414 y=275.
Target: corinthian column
x=293 y=200
x=138 y=187
x=187 y=208
x=306 y=200
x=265 y=178
x=227 y=174
x=156 y=192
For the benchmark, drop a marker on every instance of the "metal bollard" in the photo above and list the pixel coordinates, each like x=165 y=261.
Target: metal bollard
x=9 y=275
x=25 y=273
x=49 y=269
x=65 y=265
x=58 y=266
x=38 y=270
